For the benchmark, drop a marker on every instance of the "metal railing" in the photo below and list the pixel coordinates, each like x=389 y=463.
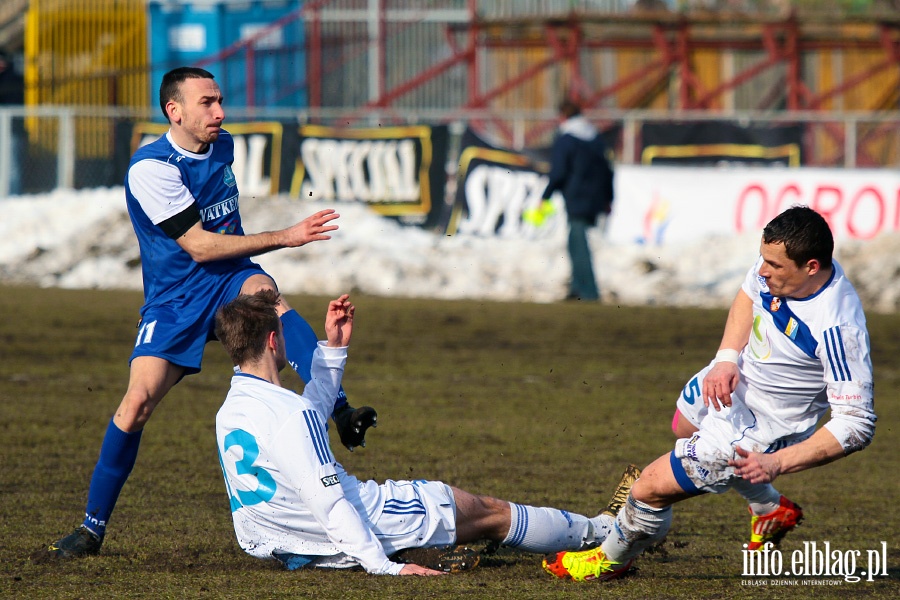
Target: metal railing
x=53 y=152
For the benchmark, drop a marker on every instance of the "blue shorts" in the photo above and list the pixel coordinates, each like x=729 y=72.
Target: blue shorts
x=178 y=330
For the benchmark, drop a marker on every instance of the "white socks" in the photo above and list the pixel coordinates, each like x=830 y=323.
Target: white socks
x=638 y=526
x=763 y=497
x=545 y=530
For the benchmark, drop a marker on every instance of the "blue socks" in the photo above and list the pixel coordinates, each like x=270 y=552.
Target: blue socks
x=117 y=456
x=300 y=344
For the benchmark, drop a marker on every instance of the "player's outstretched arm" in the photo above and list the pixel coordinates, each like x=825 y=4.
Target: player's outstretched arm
x=206 y=246
x=723 y=378
x=339 y=321
x=820 y=449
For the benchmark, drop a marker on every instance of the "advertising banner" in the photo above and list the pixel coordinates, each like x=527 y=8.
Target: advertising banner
x=714 y=143
x=397 y=171
x=498 y=191
x=659 y=205
x=401 y=172
x=496 y=187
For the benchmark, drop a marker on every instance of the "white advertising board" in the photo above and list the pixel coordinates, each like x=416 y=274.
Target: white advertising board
x=660 y=205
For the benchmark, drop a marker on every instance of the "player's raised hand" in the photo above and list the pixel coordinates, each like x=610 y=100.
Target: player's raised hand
x=339 y=321
x=311 y=229
x=719 y=383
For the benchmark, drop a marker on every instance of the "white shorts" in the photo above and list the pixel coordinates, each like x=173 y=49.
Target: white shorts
x=690 y=401
x=700 y=463
x=415 y=514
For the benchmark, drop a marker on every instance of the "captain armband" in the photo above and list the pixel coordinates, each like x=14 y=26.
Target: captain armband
x=177 y=225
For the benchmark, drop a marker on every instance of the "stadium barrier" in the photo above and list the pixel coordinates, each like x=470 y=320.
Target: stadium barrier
x=424 y=175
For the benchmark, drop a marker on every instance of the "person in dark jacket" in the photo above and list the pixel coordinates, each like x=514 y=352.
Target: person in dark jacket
x=580 y=170
x=12 y=93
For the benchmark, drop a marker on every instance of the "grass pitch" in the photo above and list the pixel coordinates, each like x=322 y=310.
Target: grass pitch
x=539 y=404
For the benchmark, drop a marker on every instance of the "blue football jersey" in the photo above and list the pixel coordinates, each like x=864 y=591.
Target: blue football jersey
x=162 y=181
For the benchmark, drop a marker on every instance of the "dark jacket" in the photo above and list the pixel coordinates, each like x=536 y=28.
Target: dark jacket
x=12 y=87
x=580 y=170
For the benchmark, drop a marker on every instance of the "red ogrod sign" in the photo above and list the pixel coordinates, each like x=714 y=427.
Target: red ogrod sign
x=659 y=205
x=861 y=212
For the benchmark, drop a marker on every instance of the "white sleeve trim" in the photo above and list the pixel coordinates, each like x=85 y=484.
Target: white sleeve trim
x=158 y=188
x=327 y=370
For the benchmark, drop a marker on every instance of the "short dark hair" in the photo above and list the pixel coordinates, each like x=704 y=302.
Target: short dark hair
x=569 y=108
x=804 y=233
x=170 y=88
x=244 y=324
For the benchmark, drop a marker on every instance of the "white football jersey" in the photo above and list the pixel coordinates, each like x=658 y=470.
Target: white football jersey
x=288 y=495
x=805 y=355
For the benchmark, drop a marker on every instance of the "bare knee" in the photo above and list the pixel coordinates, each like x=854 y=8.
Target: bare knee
x=135 y=410
x=496 y=517
x=480 y=517
x=492 y=507
x=257 y=283
x=642 y=491
x=150 y=380
x=657 y=486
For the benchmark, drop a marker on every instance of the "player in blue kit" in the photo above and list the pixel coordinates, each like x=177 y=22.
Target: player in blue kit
x=182 y=198
x=795 y=345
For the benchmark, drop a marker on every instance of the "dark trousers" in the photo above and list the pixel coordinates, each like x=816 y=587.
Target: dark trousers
x=583 y=285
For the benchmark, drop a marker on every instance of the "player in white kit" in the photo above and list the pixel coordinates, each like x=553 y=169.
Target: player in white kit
x=290 y=499
x=795 y=344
